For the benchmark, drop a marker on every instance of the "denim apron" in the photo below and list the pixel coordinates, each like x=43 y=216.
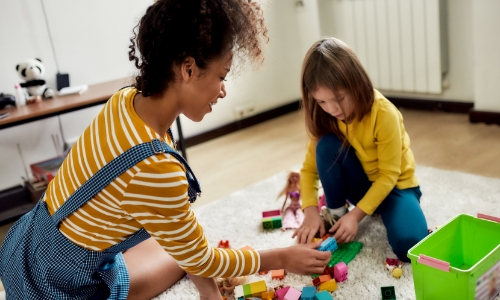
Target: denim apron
x=38 y=262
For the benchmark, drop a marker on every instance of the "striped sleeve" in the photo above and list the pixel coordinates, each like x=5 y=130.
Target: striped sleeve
x=157 y=198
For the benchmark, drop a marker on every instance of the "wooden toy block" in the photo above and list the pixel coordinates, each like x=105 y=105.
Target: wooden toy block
x=330 y=244
x=308 y=293
x=268 y=296
x=321 y=279
x=258 y=287
x=292 y=294
x=278 y=274
x=330 y=285
x=324 y=295
x=388 y=293
x=282 y=292
x=340 y=272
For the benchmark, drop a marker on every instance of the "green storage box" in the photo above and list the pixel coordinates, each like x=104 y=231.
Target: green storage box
x=460 y=260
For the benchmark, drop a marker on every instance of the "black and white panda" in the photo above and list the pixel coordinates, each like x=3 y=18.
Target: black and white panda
x=32 y=71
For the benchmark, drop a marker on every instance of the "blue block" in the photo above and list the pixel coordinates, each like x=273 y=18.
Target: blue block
x=308 y=293
x=330 y=244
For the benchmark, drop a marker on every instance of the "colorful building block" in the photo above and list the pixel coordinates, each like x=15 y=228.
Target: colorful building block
x=322 y=278
x=392 y=261
x=292 y=294
x=271 y=219
x=340 y=272
x=247 y=291
x=345 y=253
x=330 y=285
x=324 y=295
x=257 y=288
x=278 y=274
x=308 y=293
x=238 y=291
x=268 y=295
x=280 y=294
x=224 y=244
x=330 y=244
x=388 y=293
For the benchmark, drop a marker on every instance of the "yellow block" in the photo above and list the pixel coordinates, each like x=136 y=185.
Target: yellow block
x=330 y=285
x=257 y=288
x=268 y=296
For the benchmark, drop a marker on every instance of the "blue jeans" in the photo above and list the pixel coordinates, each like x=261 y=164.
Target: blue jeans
x=343 y=178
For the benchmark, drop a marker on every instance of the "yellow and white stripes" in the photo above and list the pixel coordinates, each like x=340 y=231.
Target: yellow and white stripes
x=150 y=195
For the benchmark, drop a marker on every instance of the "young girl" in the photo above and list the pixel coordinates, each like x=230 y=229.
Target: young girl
x=359 y=150
x=116 y=222
x=293 y=215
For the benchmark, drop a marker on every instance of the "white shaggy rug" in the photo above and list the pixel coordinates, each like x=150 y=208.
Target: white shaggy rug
x=237 y=218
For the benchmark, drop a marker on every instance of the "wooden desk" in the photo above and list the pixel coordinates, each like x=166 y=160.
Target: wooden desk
x=96 y=94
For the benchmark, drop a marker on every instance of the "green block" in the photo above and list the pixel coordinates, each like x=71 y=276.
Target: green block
x=388 y=293
x=277 y=223
x=267 y=224
x=345 y=253
x=247 y=290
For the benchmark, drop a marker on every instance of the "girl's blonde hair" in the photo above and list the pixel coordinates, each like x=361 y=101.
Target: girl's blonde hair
x=331 y=64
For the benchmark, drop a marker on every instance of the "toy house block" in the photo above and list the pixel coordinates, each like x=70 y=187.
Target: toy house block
x=268 y=296
x=224 y=244
x=257 y=288
x=271 y=219
x=292 y=294
x=330 y=244
x=247 y=291
x=321 y=279
x=308 y=293
x=340 y=272
x=324 y=295
x=278 y=274
x=388 y=293
x=330 y=285
x=280 y=294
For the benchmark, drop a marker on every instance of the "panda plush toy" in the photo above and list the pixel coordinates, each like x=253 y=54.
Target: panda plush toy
x=32 y=71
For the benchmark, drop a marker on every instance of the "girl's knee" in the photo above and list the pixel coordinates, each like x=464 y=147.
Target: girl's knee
x=328 y=144
x=400 y=245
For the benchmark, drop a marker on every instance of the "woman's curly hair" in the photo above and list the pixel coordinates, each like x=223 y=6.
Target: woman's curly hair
x=172 y=30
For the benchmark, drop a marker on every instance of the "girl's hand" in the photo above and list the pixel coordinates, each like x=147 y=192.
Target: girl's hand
x=305 y=259
x=346 y=228
x=310 y=226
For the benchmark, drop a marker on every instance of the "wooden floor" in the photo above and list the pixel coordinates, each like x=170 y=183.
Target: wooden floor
x=232 y=162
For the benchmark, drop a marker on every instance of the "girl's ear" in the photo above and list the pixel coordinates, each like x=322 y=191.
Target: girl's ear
x=187 y=69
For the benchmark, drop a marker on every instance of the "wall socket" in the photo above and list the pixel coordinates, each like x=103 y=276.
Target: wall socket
x=245 y=110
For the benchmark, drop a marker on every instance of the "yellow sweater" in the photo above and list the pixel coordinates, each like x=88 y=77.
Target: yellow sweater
x=151 y=195
x=383 y=148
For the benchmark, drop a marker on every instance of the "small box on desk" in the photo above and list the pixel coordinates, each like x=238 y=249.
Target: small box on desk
x=460 y=260
x=46 y=170
x=14 y=202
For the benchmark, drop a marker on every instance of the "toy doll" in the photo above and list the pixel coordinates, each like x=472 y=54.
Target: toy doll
x=292 y=215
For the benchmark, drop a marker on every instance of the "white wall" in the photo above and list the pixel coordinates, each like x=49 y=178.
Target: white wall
x=486 y=45
x=91 y=40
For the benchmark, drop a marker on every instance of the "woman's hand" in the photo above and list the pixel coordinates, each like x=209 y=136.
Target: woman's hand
x=310 y=226
x=305 y=259
x=346 y=228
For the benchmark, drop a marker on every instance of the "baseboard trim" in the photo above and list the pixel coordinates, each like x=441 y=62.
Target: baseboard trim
x=476 y=116
x=430 y=104
x=243 y=123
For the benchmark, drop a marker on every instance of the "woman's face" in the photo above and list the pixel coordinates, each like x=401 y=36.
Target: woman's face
x=206 y=87
x=339 y=106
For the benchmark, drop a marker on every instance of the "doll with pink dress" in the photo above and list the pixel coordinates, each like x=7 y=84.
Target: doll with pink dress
x=292 y=215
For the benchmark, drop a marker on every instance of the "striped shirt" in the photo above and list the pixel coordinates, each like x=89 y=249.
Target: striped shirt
x=151 y=195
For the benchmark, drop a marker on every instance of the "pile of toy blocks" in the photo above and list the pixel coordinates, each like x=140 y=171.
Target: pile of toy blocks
x=271 y=219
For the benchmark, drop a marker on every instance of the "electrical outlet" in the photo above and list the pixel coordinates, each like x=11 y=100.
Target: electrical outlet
x=243 y=111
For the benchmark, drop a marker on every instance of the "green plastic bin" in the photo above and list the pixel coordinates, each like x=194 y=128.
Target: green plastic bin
x=460 y=260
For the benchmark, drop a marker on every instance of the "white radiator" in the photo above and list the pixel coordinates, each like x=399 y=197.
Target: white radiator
x=401 y=43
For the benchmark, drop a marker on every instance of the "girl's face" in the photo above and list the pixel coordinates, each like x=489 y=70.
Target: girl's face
x=339 y=107
x=206 y=88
